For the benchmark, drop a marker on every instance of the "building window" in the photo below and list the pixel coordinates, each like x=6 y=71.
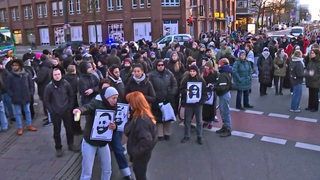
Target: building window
x=110 y=5
x=28 y=13
x=15 y=14
x=60 y=8
x=71 y=7
x=134 y=4
x=78 y=7
x=148 y=3
x=92 y=3
x=119 y=5
x=170 y=3
x=141 y=3
x=193 y=3
x=54 y=9
x=241 y=4
x=2 y=15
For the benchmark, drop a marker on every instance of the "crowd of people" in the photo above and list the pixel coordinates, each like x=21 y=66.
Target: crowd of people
x=196 y=76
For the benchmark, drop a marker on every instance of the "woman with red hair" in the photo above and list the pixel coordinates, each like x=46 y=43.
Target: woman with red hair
x=141 y=132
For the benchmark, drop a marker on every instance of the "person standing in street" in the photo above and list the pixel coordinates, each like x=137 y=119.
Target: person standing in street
x=265 y=68
x=20 y=88
x=59 y=99
x=242 y=80
x=296 y=79
x=280 y=68
x=106 y=100
x=141 y=133
x=222 y=89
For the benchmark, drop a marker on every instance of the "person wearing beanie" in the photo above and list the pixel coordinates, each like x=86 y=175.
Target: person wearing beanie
x=59 y=99
x=265 y=68
x=20 y=88
x=296 y=71
x=242 y=80
x=126 y=70
x=210 y=76
x=193 y=96
x=166 y=88
x=222 y=88
x=105 y=100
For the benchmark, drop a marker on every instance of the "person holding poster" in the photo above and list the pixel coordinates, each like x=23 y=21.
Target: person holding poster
x=97 y=132
x=141 y=133
x=193 y=95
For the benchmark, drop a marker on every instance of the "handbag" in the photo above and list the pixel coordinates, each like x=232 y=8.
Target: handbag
x=167 y=112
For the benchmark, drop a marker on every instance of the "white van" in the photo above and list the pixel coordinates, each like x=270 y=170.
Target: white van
x=297 y=30
x=181 y=38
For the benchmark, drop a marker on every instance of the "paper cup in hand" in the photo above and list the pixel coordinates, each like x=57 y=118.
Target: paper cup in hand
x=77 y=117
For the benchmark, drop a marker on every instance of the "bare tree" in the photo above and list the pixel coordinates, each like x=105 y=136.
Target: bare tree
x=259 y=8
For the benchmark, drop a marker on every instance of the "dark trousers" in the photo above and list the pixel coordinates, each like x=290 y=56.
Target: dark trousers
x=245 y=98
x=140 y=165
x=278 y=85
x=263 y=89
x=67 y=119
x=313 y=102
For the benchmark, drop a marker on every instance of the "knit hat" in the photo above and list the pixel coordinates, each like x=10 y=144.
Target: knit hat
x=194 y=67
x=110 y=91
x=202 y=46
x=209 y=64
x=265 y=49
x=242 y=52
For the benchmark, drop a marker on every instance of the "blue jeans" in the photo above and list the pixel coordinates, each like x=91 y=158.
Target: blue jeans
x=88 y=156
x=118 y=151
x=245 y=98
x=3 y=118
x=18 y=114
x=224 y=107
x=8 y=105
x=296 y=97
x=255 y=65
x=190 y=111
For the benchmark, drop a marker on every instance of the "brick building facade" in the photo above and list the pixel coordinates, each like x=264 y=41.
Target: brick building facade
x=56 y=21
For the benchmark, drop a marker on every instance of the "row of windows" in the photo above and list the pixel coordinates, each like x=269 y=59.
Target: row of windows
x=75 y=8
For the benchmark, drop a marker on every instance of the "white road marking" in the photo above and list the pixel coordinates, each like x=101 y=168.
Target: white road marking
x=254 y=112
x=307 y=146
x=306 y=119
x=234 y=109
x=278 y=115
x=274 y=140
x=242 y=134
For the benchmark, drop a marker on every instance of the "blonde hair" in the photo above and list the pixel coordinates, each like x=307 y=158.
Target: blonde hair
x=140 y=105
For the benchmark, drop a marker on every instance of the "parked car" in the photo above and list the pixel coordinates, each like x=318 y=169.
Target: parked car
x=284 y=26
x=297 y=30
x=276 y=27
x=181 y=38
x=275 y=37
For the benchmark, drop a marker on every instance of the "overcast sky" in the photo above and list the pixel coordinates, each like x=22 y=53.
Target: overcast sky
x=314 y=7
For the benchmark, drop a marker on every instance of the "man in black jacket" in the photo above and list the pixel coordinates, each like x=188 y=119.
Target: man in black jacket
x=58 y=99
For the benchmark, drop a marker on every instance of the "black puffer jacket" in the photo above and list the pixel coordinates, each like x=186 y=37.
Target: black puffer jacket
x=43 y=76
x=314 y=80
x=145 y=87
x=88 y=81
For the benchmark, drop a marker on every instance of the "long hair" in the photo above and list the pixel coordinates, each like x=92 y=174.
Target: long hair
x=140 y=105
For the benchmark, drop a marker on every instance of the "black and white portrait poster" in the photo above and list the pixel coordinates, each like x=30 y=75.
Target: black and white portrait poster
x=210 y=96
x=100 y=128
x=121 y=115
x=194 y=92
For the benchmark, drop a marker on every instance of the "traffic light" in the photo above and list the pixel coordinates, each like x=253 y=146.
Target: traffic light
x=201 y=10
x=190 y=21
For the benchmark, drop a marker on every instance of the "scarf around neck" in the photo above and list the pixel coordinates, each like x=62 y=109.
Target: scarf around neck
x=139 y=80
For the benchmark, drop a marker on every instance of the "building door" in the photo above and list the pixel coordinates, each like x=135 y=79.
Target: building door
x=76 y=33
x=92 y=33
x=142 y=30
x=44 y=36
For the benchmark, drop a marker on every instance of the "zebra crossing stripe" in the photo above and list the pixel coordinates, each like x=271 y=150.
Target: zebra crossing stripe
x=307 y=146
x=274 y=140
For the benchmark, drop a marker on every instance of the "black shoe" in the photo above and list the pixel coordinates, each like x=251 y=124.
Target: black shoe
x=128 y=178
x=281 y=93
x=59 y=152
x=313 y=110
x=160 y=138
x=221 y=130
x=74 y=148
x=241 y=108
x=13 y=119
x=199 y=140
x=166 y=137
x=185 y=139
x=248 y=106
x=226 y=133
x=47 y=123
x=307 y=109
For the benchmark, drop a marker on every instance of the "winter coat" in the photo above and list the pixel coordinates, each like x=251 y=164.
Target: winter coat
x=118 y=84
x=296 y=71
x=313 y=81
x=43 y=76
x=145 y=87
x=141 y=134
x=242 y=75
x=184 y=90
x=224 y=82
x=88 y=81
x=265 y=67
x=20 y=87
x=280 y=66
x=59 y=99
x=89 y=110
x=165 y=86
